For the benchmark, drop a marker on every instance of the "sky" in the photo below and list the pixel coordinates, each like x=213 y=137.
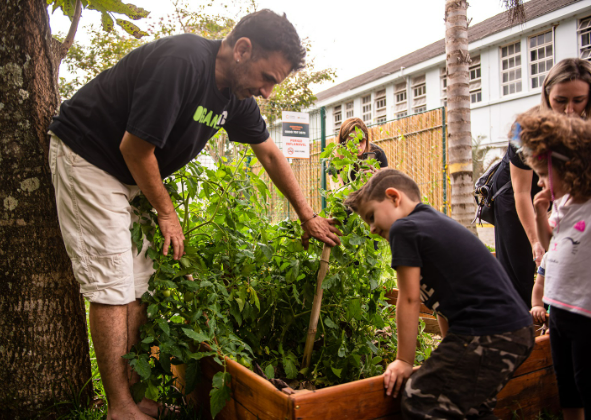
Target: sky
x=351 y=37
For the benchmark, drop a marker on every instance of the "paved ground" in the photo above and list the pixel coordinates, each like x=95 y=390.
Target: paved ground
x=486 y=234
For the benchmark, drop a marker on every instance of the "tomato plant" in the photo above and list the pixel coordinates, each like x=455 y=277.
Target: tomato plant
x=251 y=285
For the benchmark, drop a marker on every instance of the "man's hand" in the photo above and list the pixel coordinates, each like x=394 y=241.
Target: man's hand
x=395 y=375
x=322 y=229
x=173 y=234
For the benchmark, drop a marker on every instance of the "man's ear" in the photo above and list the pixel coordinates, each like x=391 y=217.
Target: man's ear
x=394 y=195
x=242 y=49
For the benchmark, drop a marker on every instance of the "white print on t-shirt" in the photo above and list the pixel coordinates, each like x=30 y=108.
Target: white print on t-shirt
x=426 y=293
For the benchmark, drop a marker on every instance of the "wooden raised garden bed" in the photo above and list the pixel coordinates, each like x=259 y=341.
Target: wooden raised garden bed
x=532 y=389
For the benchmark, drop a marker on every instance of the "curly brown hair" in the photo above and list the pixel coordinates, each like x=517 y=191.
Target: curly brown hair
x=545 y=132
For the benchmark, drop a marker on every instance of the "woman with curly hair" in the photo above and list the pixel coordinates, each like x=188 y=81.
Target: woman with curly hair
x=558 y=149
x=565 y=91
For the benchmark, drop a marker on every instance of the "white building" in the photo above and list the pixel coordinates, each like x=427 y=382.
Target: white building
x=508 y=66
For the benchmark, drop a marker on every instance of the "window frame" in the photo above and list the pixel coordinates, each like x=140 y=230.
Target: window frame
x=366 y=109
x=516 y=82
x=538 y=77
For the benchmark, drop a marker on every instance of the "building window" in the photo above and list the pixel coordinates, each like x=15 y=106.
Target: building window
x=400 y=99
x=419 y=94
x=584 y=32
x=420 y=109
x=541 y=57
x=444 y=86
x=475 y=81
x=366 y=108
x=338 y=117
x=381 y=106
x=511 y=68
x=349 y=109
x=402 y=114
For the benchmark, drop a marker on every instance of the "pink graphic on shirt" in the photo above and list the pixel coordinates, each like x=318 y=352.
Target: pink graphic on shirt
x=552 y=223
x=580 y=226
x=554 y=248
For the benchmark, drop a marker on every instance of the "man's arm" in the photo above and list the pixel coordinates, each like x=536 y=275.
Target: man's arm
x=407 y=324
x=521 y=180
x=282 y=176
x=141 y=161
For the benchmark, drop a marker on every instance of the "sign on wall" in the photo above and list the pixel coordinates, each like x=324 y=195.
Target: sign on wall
x=295 y=134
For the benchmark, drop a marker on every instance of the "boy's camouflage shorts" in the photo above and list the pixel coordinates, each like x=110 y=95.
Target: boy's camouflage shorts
x=464 y=374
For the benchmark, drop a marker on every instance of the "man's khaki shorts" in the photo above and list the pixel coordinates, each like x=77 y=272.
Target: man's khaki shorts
x=95 y=219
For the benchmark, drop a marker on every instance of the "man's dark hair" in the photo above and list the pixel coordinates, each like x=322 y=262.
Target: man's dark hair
x=271 y=32
x=376 y=187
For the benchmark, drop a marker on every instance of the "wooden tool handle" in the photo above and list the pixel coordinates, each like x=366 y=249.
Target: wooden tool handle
x=316 y=307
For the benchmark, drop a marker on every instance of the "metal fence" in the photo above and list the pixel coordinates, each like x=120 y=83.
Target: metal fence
x=415 y=144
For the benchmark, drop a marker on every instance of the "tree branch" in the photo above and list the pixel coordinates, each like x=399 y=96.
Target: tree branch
x=73 y=28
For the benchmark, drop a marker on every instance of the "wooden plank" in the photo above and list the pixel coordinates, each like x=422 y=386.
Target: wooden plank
x=364 y=399
x=252 y=396
x=539 y=358
x=528 y=394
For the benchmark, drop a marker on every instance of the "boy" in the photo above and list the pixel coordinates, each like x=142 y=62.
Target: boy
x=486 y=326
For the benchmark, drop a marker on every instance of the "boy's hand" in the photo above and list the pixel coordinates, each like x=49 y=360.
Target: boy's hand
x=395 y=375
x=538 y=313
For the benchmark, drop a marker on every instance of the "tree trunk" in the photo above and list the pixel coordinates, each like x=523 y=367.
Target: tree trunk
x=458 y=106
x=43 y=340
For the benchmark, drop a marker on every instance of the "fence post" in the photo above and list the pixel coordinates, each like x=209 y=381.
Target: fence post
x=444 y=163
x=322 y=147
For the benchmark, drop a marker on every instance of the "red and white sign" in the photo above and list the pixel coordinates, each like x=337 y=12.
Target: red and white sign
x=296 y=134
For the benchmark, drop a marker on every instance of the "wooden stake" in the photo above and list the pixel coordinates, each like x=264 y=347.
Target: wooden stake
x=316 y=307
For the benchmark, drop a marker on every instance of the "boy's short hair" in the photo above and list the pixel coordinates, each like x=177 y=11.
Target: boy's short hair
x=376 y=187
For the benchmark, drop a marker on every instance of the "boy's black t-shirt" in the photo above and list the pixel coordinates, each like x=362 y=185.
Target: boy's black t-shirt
x=164 y=93
x=460 y=279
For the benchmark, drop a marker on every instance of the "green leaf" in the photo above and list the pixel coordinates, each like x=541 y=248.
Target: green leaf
x=149 y=339
x=270 y=371
x=137 y=237
x=107 y=22
x=138 y=391
x=372 y=346
x=191 y=376
x=164 y=360
x=218 y=398
x=240 y=303
x=131 y=28
x=117 y=6
x=328 y=322
x=290 y=368
x=198 y=336
x=142 y=367
x=336 y=371
x=163 y=324
x=342 y=351
x=357 y=240
x=152 y=310
x=376 y=360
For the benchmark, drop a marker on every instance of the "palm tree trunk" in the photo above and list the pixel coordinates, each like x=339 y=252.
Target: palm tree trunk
x=458 y=105
x=43 y=340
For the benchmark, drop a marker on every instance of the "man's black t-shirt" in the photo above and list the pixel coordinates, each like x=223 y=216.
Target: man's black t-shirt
x=164 y=93
x=460 y=279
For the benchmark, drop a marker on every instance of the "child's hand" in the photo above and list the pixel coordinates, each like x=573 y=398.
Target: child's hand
x=396 y=373
x=538 y=313
x=542 y=202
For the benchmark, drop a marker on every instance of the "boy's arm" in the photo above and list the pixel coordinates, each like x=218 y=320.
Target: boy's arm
x=538 y=311
x=407 y=325
x=443 y=325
